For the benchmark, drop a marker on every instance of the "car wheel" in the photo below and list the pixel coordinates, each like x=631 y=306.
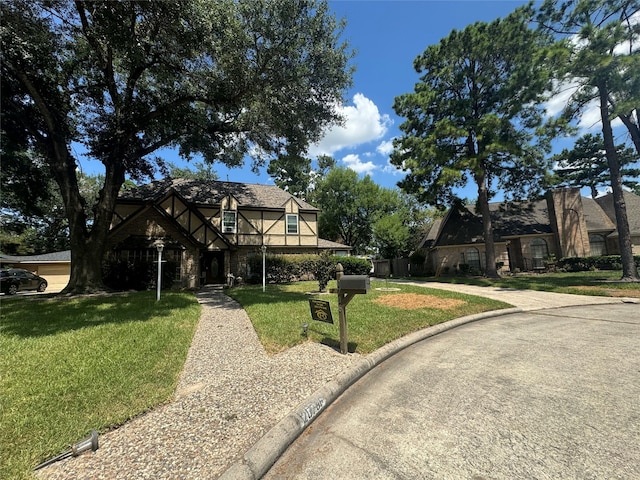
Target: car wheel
x=42 y=287
x=13 y=289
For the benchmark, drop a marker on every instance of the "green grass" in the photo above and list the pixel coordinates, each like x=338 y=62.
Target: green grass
x=600 y=283
x=278 y=314
x=68 y=366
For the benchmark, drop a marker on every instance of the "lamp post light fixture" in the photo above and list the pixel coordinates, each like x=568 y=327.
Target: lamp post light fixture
x=159 y=247
x=264 y=269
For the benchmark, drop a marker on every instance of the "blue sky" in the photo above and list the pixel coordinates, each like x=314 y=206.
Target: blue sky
x=386 y=36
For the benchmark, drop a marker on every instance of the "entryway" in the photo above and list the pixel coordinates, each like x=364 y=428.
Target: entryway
x=212 y=267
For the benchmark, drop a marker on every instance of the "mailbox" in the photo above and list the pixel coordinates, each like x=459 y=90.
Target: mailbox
x=354 y=284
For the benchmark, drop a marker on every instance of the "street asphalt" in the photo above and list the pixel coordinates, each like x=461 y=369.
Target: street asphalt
x=549 y=389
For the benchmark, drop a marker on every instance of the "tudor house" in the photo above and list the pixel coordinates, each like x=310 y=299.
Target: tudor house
x=529 y=234
x=210 y=228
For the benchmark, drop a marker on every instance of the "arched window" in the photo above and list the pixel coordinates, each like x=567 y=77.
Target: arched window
x=597 y=244
x=539 y=252
x=472 y=258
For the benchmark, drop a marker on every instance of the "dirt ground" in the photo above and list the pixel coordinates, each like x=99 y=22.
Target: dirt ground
x=413 y=301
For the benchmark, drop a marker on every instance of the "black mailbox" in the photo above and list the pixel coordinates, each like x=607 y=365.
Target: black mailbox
x=354 y=284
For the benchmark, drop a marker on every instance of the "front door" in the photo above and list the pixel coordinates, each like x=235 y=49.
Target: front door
x=212 y=267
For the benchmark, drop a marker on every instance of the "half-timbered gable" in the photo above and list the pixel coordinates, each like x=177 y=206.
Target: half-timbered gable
x=211 y=227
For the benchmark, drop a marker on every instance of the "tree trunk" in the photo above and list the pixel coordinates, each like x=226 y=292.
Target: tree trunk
x=487 y=227
x=634 y=129
x=629 y=270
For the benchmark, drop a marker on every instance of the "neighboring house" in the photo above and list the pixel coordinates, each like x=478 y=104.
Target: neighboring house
x=54 y=267
x=528 y=235
x=210 y=228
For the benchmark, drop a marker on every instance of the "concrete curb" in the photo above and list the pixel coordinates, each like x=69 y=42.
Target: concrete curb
x=257 y=461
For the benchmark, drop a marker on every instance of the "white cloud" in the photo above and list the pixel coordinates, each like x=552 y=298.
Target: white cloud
x=353 y=162
x=393 y=170
x=363 y=123
x=385 y=148
x=589 y=119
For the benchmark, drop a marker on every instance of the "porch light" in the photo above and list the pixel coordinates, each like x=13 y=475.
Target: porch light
x=264 y=265
x=159 y=247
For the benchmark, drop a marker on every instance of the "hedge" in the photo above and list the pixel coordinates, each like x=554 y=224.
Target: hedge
x=584 y=264
x=289 y=268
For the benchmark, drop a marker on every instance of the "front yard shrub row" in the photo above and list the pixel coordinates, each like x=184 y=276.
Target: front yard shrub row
x=287 y=268
x=585 y=264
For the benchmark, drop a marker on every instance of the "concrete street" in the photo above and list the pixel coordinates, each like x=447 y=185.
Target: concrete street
x=551 y=393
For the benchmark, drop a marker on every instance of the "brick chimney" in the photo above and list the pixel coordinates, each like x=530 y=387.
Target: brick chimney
x=566 y=216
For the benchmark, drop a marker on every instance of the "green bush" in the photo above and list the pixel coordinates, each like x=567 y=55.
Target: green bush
x=354 y=265
x=288 y=268
x=585 y=264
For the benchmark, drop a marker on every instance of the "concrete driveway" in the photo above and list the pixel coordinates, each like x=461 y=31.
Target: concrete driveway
x=551 y=393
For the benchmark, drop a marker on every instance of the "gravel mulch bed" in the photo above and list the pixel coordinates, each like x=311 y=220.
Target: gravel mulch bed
x=229 y=395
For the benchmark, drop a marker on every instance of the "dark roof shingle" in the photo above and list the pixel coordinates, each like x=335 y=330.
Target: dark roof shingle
x=212 y=192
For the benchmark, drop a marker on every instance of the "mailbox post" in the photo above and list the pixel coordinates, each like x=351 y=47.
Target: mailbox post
x=348 y=287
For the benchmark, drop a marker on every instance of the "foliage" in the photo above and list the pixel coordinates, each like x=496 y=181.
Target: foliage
x=277 y=314
x=282 y=269
x=599 y=44
x=391 y=236
x=324 y=271
x=351 y=207
x=585 y=264
x=203 y=171
x=476 y=115
x=354 y=265
x=292 y=173
x=71 y=365
x=124 y=79
x=586 y=165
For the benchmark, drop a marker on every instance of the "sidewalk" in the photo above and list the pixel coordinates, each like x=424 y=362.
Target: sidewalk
x=526 y=300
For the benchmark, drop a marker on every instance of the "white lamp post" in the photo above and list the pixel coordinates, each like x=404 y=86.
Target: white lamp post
x=160 y=247
x=264 y=269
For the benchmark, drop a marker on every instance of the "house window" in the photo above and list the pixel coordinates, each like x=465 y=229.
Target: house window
x=539 y=252
x=597 y=245
x=292 y=224
x=228 y=222
x=472 y=258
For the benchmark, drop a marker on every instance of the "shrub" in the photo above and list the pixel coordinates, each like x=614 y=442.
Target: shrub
x=354 y=265
x=288 y=268
x=584 y=264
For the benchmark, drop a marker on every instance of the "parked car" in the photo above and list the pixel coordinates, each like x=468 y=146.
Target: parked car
x=13 y=280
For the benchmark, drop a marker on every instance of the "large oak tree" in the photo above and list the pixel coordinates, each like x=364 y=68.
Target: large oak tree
x=122 y=79
x=475 y=116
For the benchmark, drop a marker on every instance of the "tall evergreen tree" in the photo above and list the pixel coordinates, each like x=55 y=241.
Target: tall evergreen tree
x=600 y=44
x=585 y=165
x=475 y=116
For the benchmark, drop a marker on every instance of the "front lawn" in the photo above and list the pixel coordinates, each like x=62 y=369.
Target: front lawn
x=68 y=366
x=386 y=312
x=601 y=283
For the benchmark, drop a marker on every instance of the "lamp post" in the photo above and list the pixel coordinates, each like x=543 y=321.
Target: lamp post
x=160 y=247
x=264 y=265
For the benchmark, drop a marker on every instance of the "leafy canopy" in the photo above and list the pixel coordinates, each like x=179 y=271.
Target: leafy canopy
x=476 y=111
x=219 y=78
